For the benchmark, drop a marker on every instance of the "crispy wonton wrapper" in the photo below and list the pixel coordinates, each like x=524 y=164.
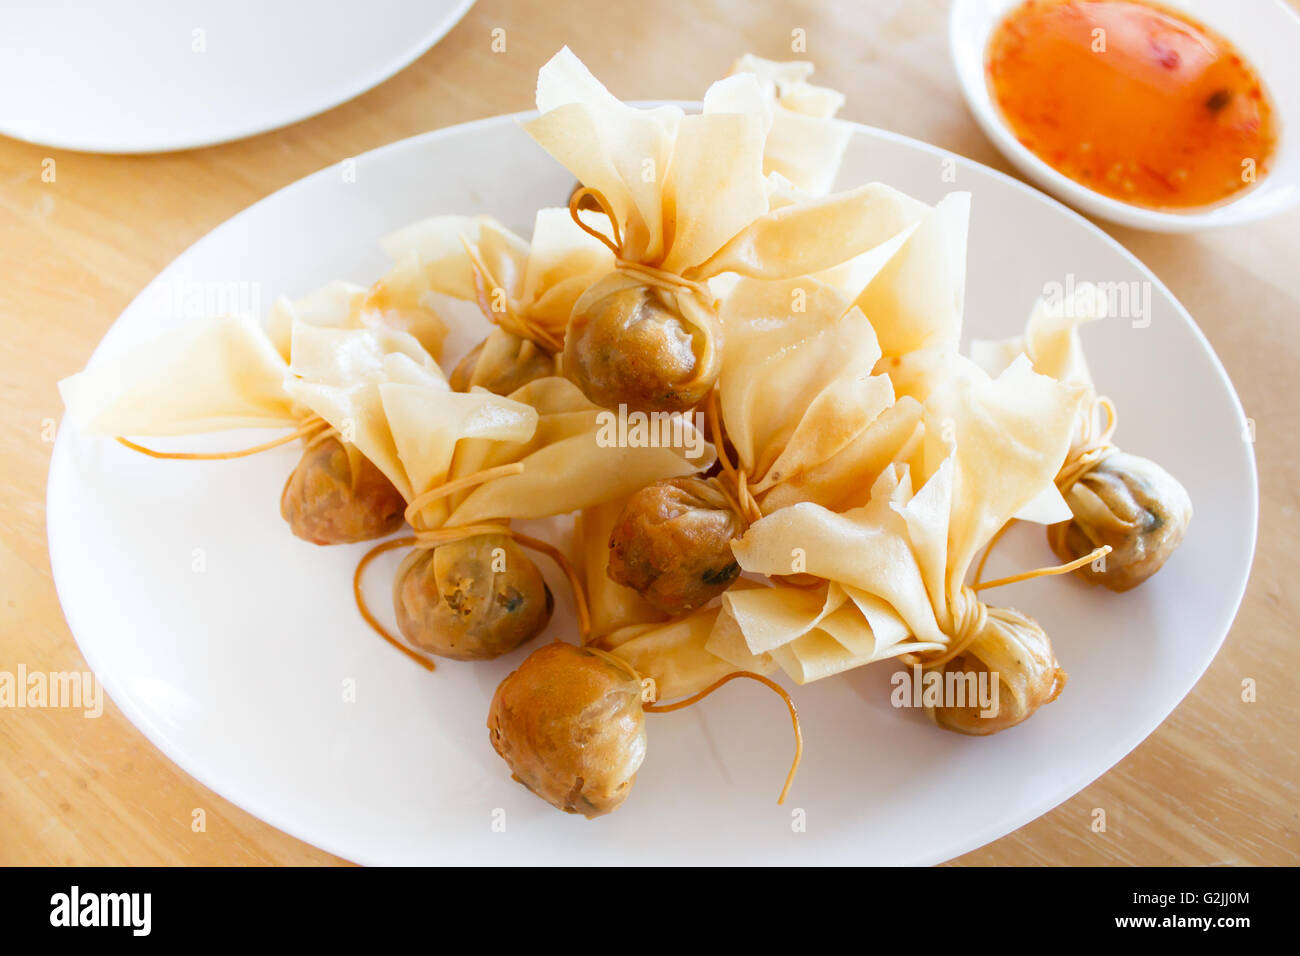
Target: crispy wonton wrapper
x=522 y=283
x=569 y=462
x=805 y=144
x=205 y=375
x=689 y=191
x=384 y=394
x=891 y=574
x=1114 y=498
x=797 y=390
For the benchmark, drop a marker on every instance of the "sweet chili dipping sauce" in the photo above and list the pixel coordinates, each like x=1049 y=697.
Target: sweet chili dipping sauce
x=1133 y=100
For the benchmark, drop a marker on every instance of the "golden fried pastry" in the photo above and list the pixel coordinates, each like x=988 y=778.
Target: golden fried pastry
x=336 y=496
x=570 y=725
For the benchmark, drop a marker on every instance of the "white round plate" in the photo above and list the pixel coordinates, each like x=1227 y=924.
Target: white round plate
x=228 y=642
x=146 y=76
x=1267 y=32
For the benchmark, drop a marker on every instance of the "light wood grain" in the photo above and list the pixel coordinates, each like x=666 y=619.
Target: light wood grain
x=1216 y=784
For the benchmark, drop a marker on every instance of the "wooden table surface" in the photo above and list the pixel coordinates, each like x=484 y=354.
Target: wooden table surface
x=1215 y=784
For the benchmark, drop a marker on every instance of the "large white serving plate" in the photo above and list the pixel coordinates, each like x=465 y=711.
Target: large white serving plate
x=236 y=671
x=140 y=76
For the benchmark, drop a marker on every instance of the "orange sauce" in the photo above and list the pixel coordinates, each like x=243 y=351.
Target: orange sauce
x=1133 y=100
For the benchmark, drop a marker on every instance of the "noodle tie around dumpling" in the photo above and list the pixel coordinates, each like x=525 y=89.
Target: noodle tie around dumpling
x=888 y=577
x=525 y=289
x=224 y=373
x=1127 y=503
x=686 y=200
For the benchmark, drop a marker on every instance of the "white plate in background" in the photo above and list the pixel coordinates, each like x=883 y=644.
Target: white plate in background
x=236 y=671
x=143 y=76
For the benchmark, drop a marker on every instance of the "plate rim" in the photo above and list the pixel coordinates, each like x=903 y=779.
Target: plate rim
x=994 y=830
